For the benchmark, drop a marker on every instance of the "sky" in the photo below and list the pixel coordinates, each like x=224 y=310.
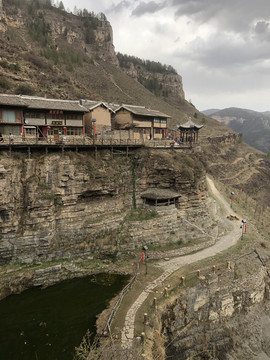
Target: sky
x=221 y=48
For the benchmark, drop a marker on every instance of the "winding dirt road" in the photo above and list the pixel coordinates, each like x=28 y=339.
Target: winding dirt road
x=222 y=243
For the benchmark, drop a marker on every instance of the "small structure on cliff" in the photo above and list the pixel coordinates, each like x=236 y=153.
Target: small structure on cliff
x=189 y=132
x=160 y=197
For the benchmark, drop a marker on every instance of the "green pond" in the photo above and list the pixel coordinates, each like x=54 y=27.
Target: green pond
x=47 y=324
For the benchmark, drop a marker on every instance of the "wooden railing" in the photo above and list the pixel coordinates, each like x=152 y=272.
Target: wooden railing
x=120 y=299
x=100 y=141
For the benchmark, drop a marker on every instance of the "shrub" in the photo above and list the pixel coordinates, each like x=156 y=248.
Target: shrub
x=4 y=64
x=4 y=83
x=24 y=89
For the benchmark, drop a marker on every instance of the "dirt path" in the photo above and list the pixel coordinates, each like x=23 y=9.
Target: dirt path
x=223 y=243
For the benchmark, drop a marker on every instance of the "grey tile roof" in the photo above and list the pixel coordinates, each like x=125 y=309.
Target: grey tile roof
x=190 y=125
x=159 y=194
x=91 y=104
x=33 y=102
x=11 y=100
x=142 y=110
x=53 y=104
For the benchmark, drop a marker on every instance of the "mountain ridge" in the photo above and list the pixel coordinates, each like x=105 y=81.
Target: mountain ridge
x=254 y=125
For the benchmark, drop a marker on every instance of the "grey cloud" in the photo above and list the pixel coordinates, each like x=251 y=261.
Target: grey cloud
x=261 y=27
x=119 y=7
x=235 y=15
x=150 y=7
x=220 y=52
x=262 y=30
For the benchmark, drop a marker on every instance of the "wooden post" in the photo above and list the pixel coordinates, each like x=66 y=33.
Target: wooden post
x=142 y=337
x=145 y=318
x=165 y=292
x=198 y=273
x=228 y=265
x=155 y=302
x=183 y=280
x=214 y=269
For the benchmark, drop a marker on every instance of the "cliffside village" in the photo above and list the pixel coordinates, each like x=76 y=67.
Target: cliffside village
x=28 y=117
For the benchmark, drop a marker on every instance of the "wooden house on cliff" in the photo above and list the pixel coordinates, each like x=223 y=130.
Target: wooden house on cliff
x=12 y=109
x=39 y=117
x=98 y=119
x=142 y=122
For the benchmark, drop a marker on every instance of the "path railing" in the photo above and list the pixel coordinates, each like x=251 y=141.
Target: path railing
x=86 y=140
x=120 y=299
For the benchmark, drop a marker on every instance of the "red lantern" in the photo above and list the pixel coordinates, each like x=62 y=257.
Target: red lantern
x=142 y=257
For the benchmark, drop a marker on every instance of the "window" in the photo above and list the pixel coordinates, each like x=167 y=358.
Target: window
x=8 y=116
x=74 y=131
x=35 y=115
x=55 y=116
x=30 y=131
x=74 y=116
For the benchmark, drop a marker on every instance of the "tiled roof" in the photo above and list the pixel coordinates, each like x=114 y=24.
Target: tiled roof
x=11 y=100
x=142 y=110
x=53 y=104
x=190 y=125
x=91 y=104
x=159 y=194
x=33 y=102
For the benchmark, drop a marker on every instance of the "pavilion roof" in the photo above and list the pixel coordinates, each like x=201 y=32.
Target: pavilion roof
x=190 y=125
x=159 y=194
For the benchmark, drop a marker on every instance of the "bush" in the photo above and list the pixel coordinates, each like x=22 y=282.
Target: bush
x=4 y=83
x=24 y=89
x=4 y=64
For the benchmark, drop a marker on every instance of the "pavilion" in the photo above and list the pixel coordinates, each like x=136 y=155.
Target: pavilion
x=189 y=132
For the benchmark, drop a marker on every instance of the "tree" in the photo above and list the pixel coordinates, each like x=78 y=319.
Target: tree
x=61 y=6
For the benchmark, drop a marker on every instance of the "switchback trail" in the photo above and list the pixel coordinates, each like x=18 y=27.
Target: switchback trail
x=223 y=243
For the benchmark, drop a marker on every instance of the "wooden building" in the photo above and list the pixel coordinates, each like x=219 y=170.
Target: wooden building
x=12 y=108
x=98 y=119
x=189 y=132
x=40 y=117
x=51 y=117
x=142 y=122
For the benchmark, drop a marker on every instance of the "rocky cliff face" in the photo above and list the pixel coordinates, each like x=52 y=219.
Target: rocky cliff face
x=59 y=206
x=221 y=319
x=170 y=83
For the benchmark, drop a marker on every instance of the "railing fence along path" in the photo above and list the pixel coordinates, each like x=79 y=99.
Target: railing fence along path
x=85 y=140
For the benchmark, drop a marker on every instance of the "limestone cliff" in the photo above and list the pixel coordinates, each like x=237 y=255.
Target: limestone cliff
x=221 y=318
x=57 y=206
x=162 y=80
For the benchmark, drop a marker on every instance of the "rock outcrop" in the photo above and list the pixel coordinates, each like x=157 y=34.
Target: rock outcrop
x=60 y=206
x=215 y=319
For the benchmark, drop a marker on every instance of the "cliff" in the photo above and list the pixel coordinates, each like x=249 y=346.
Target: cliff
x=46 y=51
x=61 y=206
x=224 y=317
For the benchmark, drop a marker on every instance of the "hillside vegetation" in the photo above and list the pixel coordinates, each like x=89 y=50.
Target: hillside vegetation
x=46 y=51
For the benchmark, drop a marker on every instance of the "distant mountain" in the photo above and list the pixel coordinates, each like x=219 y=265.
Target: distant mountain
x=255 y=126
x=209 y=112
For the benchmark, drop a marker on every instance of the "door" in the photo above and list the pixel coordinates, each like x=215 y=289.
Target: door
x=56 y=134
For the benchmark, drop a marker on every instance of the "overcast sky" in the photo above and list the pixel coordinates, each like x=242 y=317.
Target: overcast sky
x=221 y=48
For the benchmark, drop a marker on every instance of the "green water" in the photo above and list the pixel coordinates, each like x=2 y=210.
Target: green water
x=47 y=324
